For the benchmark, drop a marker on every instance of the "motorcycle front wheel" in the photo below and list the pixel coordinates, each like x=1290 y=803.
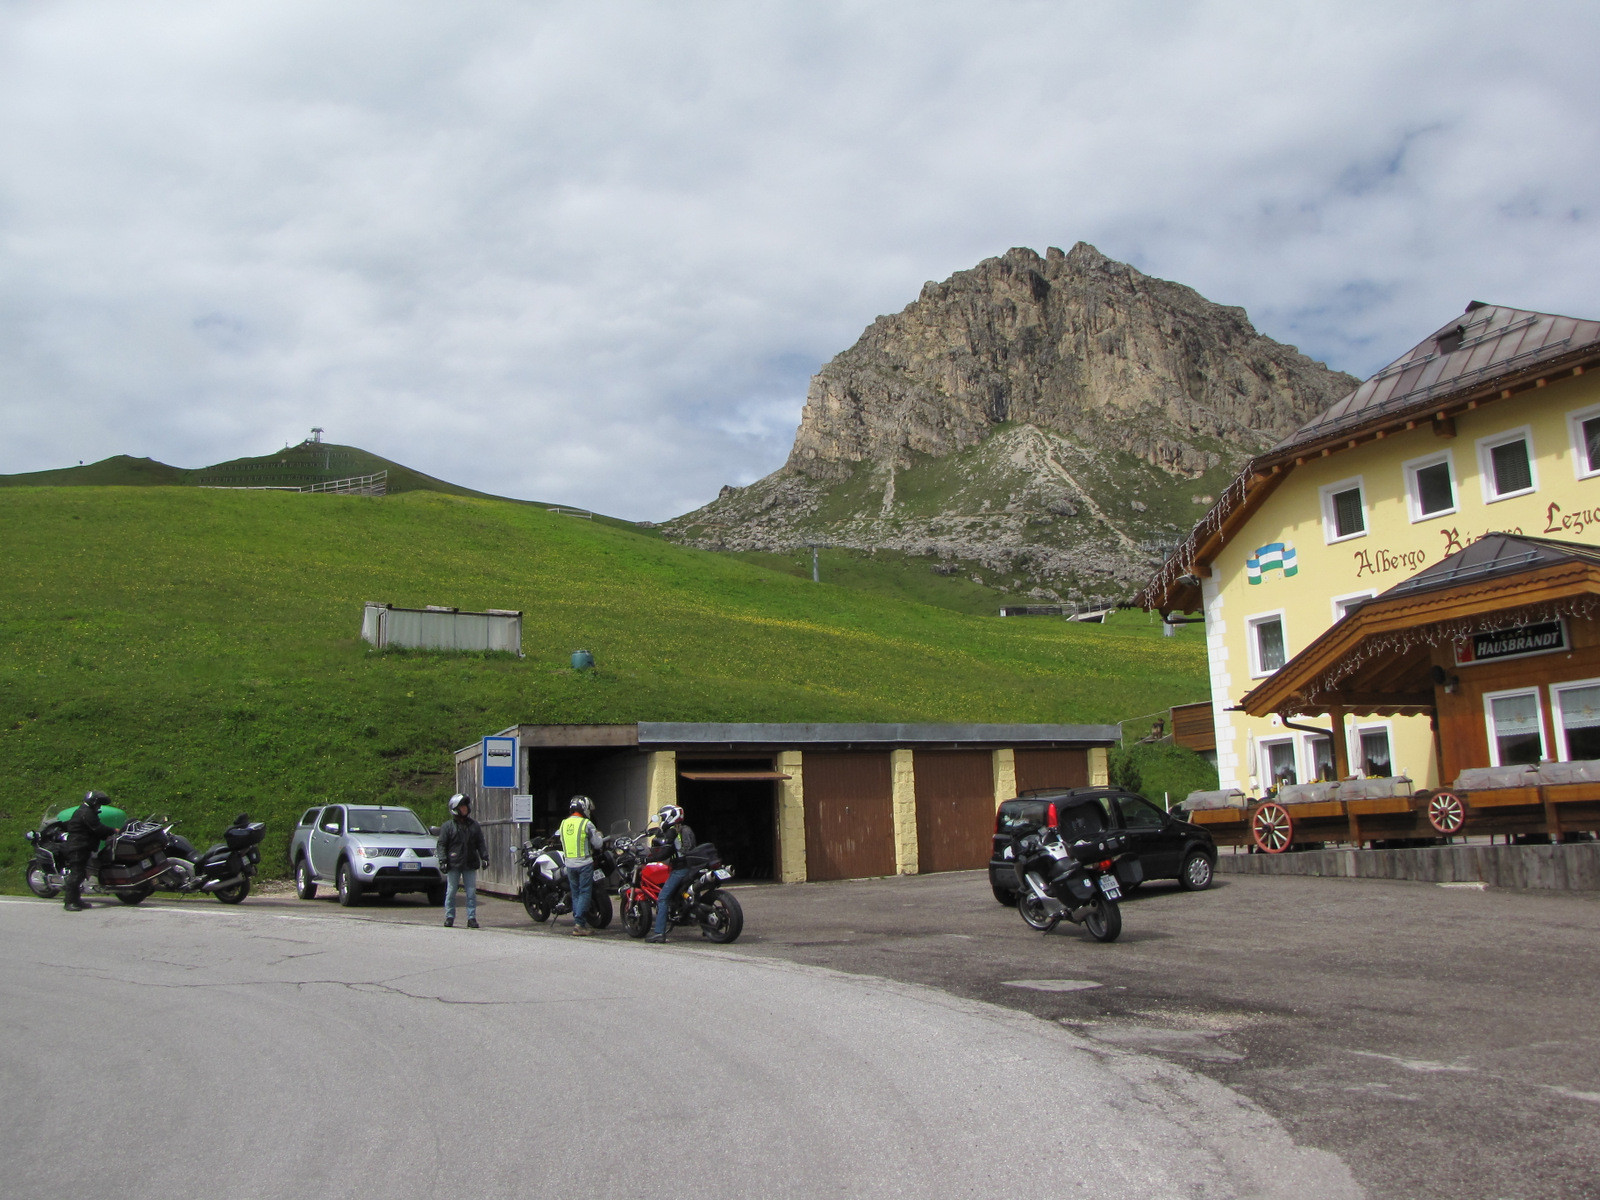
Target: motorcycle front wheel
x=536 y=905
x=135 y=895
x=600 y=911
x=725 y=921
x=234 y=894
x=1104 y=920
x=637 y=917
x=38 y=877
x=1034 y=912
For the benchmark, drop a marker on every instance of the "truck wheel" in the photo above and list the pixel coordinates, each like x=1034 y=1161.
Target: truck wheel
x=436 y=896
x=1009 y=899
x=304 y=885
x=349 y=887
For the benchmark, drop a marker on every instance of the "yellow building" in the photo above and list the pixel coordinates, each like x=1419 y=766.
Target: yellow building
x=1490 y=424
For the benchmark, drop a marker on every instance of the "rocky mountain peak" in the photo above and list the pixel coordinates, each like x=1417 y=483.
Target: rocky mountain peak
x=1084 y=351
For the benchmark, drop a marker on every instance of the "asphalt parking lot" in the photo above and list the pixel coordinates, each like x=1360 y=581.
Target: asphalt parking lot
x=1443 y=1041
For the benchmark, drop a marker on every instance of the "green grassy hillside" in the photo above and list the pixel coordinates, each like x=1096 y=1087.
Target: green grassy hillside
x=197 y=652
x=293 y=466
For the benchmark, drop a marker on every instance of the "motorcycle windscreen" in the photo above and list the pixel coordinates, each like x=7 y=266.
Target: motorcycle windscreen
x=109 y=815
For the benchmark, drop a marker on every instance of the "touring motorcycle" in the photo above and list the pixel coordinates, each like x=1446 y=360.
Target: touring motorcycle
x=1076 y=882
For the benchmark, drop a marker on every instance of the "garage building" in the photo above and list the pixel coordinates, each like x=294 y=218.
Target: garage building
x=791 y=802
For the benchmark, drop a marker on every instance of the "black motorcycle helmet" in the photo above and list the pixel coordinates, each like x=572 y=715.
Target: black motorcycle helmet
x=96 y=799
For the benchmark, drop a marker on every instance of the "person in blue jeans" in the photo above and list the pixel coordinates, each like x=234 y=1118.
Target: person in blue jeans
x=462 y=851
x=580 y=841
x=672 y=842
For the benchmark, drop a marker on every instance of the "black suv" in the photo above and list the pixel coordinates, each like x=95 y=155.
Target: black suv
x=1164 y=846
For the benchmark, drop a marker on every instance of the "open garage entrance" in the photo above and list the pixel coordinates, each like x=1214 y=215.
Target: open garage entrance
x=734 y=803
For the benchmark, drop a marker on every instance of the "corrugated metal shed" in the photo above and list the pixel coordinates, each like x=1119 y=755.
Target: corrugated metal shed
x=383 y=625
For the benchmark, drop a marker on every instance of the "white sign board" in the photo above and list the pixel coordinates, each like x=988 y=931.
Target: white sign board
x=521 y=808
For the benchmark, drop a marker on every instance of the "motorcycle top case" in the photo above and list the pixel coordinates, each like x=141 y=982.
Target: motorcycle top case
x=242 y=837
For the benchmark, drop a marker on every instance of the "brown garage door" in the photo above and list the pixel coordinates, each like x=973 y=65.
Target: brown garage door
x=955 y=809
x=1037 y=769
x=849 y=816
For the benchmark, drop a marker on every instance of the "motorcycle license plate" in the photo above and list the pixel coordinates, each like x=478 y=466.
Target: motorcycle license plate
x=722 y=873
x=1108 y=885
x=411 y=866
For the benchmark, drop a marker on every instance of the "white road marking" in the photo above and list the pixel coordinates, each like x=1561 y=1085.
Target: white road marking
x=1052 y=985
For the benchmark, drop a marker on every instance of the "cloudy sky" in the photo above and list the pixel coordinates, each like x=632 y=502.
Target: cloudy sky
x=592 y=252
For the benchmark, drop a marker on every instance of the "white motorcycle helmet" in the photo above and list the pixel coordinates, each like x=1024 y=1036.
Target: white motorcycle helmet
x=669 y=815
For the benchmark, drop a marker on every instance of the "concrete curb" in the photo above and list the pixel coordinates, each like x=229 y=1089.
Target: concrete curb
x=1572 y=868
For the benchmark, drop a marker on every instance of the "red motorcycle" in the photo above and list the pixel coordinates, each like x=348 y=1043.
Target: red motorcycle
x=702 y=901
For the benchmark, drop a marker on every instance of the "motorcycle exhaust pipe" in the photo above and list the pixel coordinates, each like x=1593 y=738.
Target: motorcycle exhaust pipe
x=214 y=885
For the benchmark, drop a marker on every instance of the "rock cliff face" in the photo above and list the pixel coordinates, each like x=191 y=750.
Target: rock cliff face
x=1054 y=420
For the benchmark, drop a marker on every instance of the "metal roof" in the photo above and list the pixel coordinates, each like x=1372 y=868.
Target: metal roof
x=1485 y=341
x=1491 y=557
x=659 y=733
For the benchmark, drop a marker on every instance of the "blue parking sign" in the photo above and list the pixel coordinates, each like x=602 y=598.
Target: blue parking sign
x=499 y=762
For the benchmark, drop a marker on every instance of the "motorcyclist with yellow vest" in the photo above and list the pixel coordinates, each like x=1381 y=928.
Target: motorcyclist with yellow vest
x=580 y=839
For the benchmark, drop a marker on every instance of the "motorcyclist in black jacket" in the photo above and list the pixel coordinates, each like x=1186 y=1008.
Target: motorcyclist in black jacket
x=672 y=841
x=85 y=832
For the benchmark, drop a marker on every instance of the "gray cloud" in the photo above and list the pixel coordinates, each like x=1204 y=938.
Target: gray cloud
x=591 y=252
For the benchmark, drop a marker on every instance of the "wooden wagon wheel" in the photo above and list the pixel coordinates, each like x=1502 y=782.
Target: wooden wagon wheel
x=1446 y=813
x=1272 y=827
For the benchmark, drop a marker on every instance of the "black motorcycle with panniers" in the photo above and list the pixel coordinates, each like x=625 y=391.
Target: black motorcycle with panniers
x=1074 y=881
x=145 y=857
x=125 y=865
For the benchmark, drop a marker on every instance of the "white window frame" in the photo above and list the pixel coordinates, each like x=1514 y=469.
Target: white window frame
x=1264 y=759
x=1488 y=721
x=1414 y=494
x=1580 y=448
x=1358 y=760
x=1335 y=601
x=1253 y=644
x=1487 y=445
x=1308 y=755
x=1330 y=525
x=1555 y=709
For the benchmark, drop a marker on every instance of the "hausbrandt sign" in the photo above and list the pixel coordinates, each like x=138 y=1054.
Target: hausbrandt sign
x=1545 y=637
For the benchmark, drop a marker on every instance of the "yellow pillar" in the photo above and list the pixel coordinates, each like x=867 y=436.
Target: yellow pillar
x=663 y=787
x=903 y=792
x=1099 y=767
x=791 y=819
x=1005 y=775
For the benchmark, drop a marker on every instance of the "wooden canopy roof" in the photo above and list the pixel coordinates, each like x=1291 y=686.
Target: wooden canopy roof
x=1378 y=659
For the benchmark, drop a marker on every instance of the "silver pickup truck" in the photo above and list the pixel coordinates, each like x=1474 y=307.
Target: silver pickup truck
x=378 y=848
